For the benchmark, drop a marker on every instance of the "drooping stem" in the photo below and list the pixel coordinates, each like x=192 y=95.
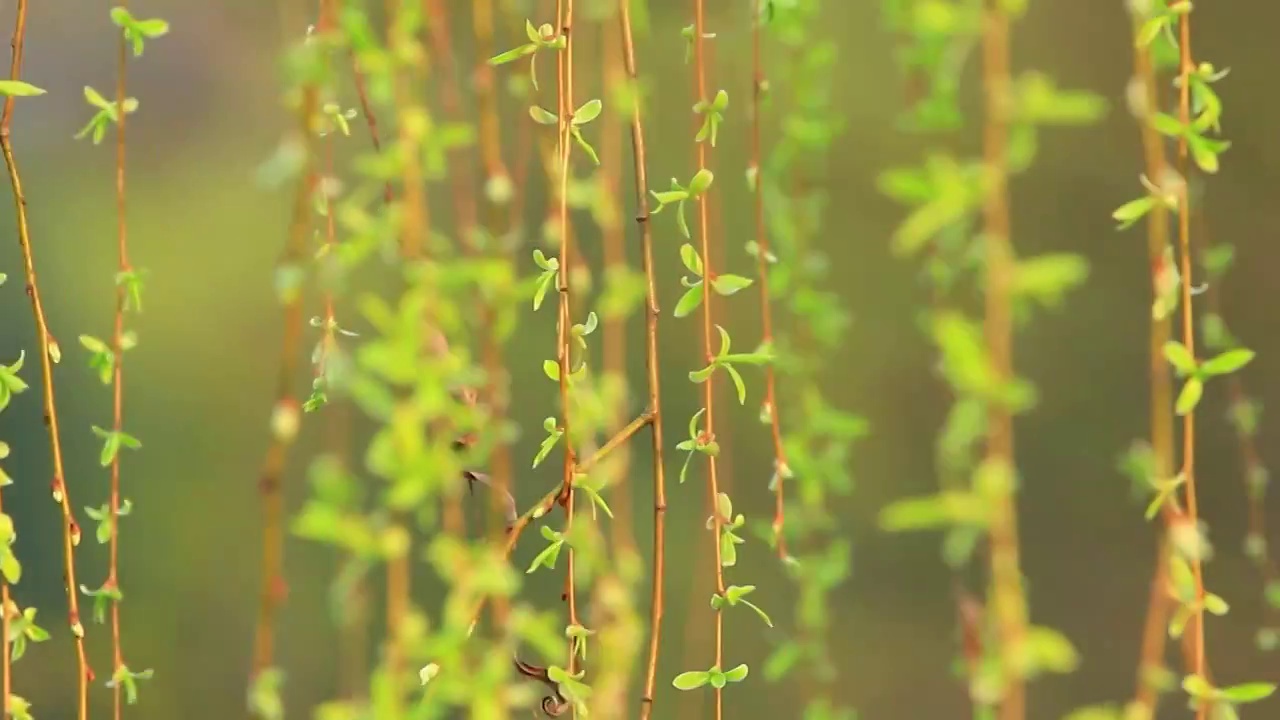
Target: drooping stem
x=497 y=191
x=354 y=640
x=466 y=218
x=708 y=332
x=490 y=137
x=1161 y=603
x=370 y=119
x=756 y=169
x=1008 y=598
x=651 y=364
x=461 y=183
x=564 y=94
x=286 y=412
x=1253 y=471
x=117 y=380
x=613 y=232
x=1186 y=68
x=414 y=230
x=48 y=351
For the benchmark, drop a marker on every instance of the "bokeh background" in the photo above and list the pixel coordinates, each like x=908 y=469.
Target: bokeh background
x=199 y=384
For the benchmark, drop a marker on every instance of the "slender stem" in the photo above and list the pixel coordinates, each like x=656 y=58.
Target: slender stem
x=461 y=187
x=495 y=173
x=117 y=382
x=286 y=411
x=780 y=467
x=461 y=182
x=708 y=330
x=1160 y=604
x=549 y=500
x=564 y=92
x=6 y=669
x=6 y=610
x=539 y=509
x=1251 y=464
x=651 y=365
x=354 y=629
x=466 y=217
x=1188 y=339
x=48 y=349
x=370 y=118
x=1008 y=597
x=490 y=136
x=618 y=441
x=397 y=569
x=615 y=263
x=414 y=231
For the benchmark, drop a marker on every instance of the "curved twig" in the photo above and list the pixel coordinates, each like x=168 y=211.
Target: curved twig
x=555 y=704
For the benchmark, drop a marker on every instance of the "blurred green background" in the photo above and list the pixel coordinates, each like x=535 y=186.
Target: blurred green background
x=199 y=384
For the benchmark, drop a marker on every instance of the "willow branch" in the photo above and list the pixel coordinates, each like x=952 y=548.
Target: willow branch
x=1008 y=597
x=1188 y=340
x=286 y=410
x=1161 y=604
x=48 y=350
x=708 y=329
x=564 y=92
x=651 y=363
x=117 y=381
x=780 y=467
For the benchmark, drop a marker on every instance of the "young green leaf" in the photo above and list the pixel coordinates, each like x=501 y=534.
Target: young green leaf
x=691 y=680
x=1247 y=692
x=1189 y=397
x=690 y=301
x=692 y=261
x=727 y=284
x=542 y=116
x=700 y=182
x=17 y=88
x=1131 y=212
x=1227 y=363
x=589 y=111
x=1180 y=358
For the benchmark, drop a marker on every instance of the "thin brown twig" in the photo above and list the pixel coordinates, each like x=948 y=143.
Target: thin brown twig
x=48 y=350
x=1252 y=468
x=780 y=467
x=353 y=635
x=370 y=118
x=286 y=411
x=461 y=182
x=398 y=571
x=8 y=611
x=466 y=217
x=413 y=233
x=553 y=497
x=495 y=174
x=708 y=326
x=1161 y=602
x=618 y=440
x=1251 y=465
x=117 y=381
x=1188 y=340
x=6 y=669
x=490 y=136
x=615 y=263
x=1008 y=598
x=355 y=632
